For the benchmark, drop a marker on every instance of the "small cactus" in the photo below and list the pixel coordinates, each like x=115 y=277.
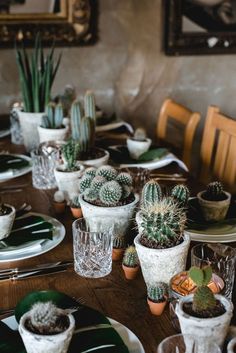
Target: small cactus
x=140 y=134
x=119 y=242
x=85 y=182
x=180 y=194
x=203 y=298
x=130 y=258
x=59 y=196
x=54 y=116
x=214 y=191
x=98 y=182
x=90 y=195
x=151 y=193
x=70 y=151
x=46 y=319
x=107 y=172
x=110 y=193
x=157 y=293
x=90 y=171
x=76 y=202
x=124 y=178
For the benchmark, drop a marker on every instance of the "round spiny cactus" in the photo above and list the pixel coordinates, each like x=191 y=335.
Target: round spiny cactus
x=214 y=191
x=125 y=179
x=151 y=193
x=97 y=183
x=156 y=293
x=90 y=171
x=180 y=194
x=85 y=182
x=70 y=151
x=140 y=134
x=107 y=172
x=46 y=318
x=130 y=258
x=110 y=193
x=90 y=195
x=119 y=242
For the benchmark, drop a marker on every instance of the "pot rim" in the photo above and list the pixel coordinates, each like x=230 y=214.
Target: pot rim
x=209 y=202
x=13 y=211
x=52 y=129
x=136 y=199
x=37 y=335
x=147 y=140
x=228 y=305
x=186 y=240
x=63 y=172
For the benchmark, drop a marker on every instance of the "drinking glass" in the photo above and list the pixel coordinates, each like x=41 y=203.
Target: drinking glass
x=222 y=260
x=92 y=250
x=187 y=344
x=43 y=169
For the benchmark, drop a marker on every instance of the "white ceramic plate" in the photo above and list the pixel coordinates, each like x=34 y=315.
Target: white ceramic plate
x=38 y=247
x=4 y=133
x=223 y=238
x=114 y=125
x=129 y=338
x=16 y=172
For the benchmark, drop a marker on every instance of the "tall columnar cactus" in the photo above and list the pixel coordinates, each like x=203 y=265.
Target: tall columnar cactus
x=70 y=152
x=76 y=115
x=157 y=293
x=130 y=258
x=46 y=318
x=214 y=191
x=110 y=193
x=53 y=118
x=119 y=242
x=87 y=134
x=180 y=194
x=151 y=193
x=163 y=223
x=203 y=298
x=90 y=106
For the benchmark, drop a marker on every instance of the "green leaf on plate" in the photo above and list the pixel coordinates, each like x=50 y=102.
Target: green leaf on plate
x=153 y=154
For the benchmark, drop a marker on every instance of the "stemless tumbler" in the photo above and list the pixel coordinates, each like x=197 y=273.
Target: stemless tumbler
x=43 y=169
x=92 y=250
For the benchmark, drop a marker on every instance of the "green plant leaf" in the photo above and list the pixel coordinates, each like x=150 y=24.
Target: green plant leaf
x=196 y=274
x=207 y=273
x=152 y=154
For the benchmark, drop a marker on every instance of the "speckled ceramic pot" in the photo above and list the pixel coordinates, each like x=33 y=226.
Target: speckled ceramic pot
x=214 y=210
x=211 y=330
x=29 y=123
x=52 y=134
x=68 y=182
x=6 y=222
x=160 y=265
x=97 y=162
x=35 y=343
x=136 y=148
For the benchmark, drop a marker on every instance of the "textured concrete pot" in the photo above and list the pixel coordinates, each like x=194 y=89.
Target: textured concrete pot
x=68 y=182
x=35 y=343
x=29 y=123
x=102 y=219
x=98 y=162
x=136 y=148
x=214 y=210
x=160 y=265
x=6 y=222
x=52 y=134
x=210 y=330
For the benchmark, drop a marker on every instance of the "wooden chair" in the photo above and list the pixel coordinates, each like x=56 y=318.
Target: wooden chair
x=186 y=117
x=218 y=149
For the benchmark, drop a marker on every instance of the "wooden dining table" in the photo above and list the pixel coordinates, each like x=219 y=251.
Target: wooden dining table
x=114 y=296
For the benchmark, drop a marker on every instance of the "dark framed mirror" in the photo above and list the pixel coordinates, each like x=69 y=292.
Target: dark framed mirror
x=193 y=27
x=66 y=22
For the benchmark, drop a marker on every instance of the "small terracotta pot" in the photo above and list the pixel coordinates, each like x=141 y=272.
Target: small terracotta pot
x=76 y=212
x=59 y=207
x=130 y=272
x=117 y=254
x=156 y=308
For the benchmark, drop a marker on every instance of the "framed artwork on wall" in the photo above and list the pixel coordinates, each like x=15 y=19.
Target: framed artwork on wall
x=197 y=27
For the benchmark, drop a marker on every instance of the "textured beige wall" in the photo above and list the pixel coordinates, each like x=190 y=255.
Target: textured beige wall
x=129 y=72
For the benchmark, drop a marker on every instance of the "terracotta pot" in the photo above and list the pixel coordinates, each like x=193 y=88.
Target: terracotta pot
x=76 y=212
x=59 y=207
x=156 y=308
x=130 y=272
x=117 y=254
x=214 y=210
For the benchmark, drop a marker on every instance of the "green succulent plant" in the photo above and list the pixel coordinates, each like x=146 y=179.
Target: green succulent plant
x=180 y=194
x=157 y=293
x=130 y=258
x=37 y=72
x=70 y=152
x=119 y=242
x=151 y=193
x=76 y=201
x=203 y=298
x=91 y=171
x=53 y=118
x=110 y=193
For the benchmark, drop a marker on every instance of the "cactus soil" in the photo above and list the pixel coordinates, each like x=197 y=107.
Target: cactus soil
x=148 y=243
x=94 y=153
x=218 y=310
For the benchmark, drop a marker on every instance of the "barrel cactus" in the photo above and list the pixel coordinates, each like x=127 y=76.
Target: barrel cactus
x=110 y=193
x=107 y=172
x=124 y=178
x=140 y=134
x=119 y=242
x=91 y=171
x=53 y=117
x=214 y=192
x=46 y=318
x=151 y=193
x=85 y=182
x=130 y=258
x=180 y=194
x=157 y=293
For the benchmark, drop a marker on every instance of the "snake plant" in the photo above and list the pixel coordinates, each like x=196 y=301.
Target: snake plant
x=37 y=72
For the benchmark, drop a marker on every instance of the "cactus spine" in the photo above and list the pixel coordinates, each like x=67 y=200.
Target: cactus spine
x=180 y=194
x=54 y=116
x=76 y=202
x=110 y=193
x=130 y=258
x=151 y=193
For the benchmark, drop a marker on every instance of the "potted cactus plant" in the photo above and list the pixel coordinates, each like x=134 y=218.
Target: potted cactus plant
x=180 y=193
x=157 y=298
x=46 y=328
x=107 y=199
x=214 y=202
x=118 y=247
x=37 y=72
x=161 y=244
x=67 y=175
x=7 y=216
x=130 y=263
x=75 y=207
x=59 y=202
x=83 y=125
x=52 y=128
x=138 y=144
x=204 y=314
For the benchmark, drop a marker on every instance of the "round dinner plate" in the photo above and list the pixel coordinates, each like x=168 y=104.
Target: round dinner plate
x=211 y=238
x=37 y=247
x=130 y=339
x=5 y=176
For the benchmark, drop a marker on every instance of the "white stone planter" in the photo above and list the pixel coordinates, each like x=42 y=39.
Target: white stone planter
x=35 y=343
x=160 y=265
x=29 y=123
x=52 y=134
x=68 y=182
x=214 y=210
x=211 y=330
x=6 y=222
x=104 y=218
x=98 y=162
x=136 y=148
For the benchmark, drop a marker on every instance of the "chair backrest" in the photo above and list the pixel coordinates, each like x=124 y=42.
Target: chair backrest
x=183 y=115
x=218 y=149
